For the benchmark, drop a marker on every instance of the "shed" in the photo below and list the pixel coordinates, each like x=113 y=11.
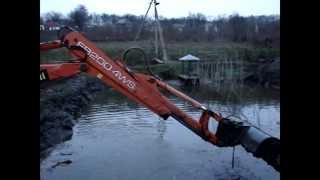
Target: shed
x=188 y=64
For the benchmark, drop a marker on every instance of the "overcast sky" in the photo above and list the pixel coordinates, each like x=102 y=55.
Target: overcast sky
x=167 y=8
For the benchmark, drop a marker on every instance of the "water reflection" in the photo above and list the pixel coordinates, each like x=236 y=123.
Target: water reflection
x=161 y=127
x=118 y=139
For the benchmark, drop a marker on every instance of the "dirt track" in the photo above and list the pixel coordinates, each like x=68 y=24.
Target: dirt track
x=61 y=103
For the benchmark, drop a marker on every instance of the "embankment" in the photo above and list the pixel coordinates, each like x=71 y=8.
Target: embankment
x=61 y=103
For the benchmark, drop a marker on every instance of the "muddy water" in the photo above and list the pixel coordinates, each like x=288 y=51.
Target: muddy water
x=117 y=139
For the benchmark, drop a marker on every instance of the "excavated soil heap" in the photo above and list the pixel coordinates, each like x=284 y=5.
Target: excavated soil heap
x=61 y=103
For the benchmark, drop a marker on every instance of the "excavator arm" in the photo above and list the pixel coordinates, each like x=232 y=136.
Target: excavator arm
x=147 y=90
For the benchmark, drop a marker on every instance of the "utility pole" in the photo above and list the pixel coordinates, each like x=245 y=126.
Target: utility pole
x=158 y=31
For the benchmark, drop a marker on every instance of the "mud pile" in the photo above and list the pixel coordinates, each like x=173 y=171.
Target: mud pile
x=61 y=103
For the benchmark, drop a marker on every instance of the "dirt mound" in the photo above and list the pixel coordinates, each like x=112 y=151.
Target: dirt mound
x=61 y=103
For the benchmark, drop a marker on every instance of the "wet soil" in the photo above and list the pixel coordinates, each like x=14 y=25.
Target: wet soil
x=61 y=103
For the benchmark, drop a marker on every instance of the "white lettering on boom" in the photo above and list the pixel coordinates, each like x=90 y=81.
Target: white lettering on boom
x=107 y=66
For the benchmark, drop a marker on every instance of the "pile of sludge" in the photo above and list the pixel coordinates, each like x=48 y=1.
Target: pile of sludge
x=61 y=103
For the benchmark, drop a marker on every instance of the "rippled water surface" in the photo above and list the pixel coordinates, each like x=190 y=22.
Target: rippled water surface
x=118 y=139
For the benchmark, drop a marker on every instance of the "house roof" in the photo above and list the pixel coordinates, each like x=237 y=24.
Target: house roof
x=189 y=57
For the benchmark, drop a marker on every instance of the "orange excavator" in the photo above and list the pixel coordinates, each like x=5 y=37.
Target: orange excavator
x=147 y=89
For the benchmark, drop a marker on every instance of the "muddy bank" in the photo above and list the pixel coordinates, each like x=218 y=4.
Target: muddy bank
x=61 y=103
x=266 y=73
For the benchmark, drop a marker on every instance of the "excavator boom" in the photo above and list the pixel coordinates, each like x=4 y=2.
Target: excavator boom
x=142 y=88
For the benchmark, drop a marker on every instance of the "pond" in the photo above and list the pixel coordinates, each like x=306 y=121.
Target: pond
x=118 y=139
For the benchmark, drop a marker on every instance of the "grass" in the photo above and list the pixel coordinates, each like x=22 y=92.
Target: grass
x=204 y=50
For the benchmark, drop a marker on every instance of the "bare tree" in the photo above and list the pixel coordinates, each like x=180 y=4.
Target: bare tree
x=194 y=28
x=260 y=30
x=79 y=17
x=53 y=17
x=239 y=27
